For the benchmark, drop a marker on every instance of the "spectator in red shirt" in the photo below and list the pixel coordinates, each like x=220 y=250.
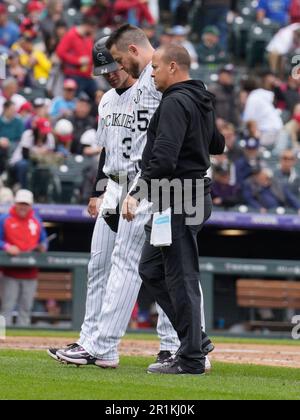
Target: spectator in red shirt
x=75 y=53
x=21 y=231
x=135 y=12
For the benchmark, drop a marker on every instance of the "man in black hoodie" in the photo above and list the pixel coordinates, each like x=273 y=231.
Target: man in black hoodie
x=181 y=136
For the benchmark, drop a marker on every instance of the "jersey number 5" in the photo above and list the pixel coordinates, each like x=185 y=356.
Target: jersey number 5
x=143 y=121
x=127 y=146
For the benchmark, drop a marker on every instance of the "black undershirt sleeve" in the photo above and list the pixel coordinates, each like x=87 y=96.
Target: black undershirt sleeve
x=100 y=175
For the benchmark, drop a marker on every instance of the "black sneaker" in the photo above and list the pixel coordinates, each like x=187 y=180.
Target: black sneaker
x=173 y=368
x=52 y=352
x=80 y=357
x=164 y=356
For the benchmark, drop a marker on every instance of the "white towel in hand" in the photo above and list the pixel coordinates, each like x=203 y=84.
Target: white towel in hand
x=111 y=198
x=161 y=234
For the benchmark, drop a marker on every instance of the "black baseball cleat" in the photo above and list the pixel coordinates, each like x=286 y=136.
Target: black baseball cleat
x=173 y=368
x=53 y=352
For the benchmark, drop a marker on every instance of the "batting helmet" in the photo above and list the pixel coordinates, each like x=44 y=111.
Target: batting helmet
x=103 y=60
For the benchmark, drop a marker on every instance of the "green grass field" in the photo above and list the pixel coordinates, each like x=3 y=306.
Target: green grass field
x=33 y=375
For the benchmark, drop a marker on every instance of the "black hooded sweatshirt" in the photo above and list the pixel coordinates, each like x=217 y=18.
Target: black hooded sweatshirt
x=182 y=135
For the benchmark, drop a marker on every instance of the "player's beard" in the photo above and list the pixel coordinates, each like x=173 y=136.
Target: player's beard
x=135 y=69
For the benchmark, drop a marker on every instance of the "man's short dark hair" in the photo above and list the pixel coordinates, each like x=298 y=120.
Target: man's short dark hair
x=178 y=54
x=124 y=36
x=7 y=105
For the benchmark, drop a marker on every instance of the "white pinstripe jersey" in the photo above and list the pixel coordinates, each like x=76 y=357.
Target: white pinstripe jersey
x=146 y=100
x=116 y=121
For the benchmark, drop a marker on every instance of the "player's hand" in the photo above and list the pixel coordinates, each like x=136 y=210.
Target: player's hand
x=94 y=206
x=13 y=250
x=129 y=208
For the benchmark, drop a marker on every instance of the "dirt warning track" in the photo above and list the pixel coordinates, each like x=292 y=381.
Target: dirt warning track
x=267 y=355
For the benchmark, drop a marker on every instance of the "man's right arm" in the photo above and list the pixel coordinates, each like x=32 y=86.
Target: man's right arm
x=217 y=145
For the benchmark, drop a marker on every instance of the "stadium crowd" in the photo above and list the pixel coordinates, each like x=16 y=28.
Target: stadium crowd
x=243 y=51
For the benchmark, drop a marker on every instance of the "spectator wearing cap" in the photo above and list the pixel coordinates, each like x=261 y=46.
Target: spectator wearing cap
x=277 y=11
x=268 y=118
x=82 y=121
x=40 y=110
x=41 y=107
x=245 y=166
x=75 y=53
x=64 y=106
x=32 y=57
x=9 y=31
x=35 y=10
x=63 y=132
x=179 y=35
x=224 y=194
x=10 y=87
x=135 y=12
x=210 y=50
x=26 y=114
x=286 y=172
x=35 y=144
x=21 y=231
x=263 y=192
x=227 y=104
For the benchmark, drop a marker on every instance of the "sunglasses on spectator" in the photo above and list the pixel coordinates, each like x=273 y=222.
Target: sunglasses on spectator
x=288 y=158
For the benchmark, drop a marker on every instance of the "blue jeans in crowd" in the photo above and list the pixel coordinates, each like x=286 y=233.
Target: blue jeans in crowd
x=21 y=170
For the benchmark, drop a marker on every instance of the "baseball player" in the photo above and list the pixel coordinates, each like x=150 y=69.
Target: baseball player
x=114 y=282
